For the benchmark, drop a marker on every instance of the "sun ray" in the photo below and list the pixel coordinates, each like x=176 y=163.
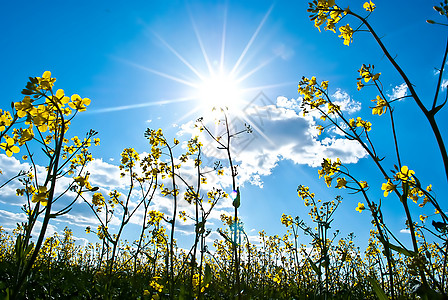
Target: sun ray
x=251 y=40
x=161 y=74
x=201 y=45
x=256 y=69
x=270 y=86
x=139 y=105
x=217 y=87
x=223 y=39
x=187 y=115
x=180 y=57
x=258 y=130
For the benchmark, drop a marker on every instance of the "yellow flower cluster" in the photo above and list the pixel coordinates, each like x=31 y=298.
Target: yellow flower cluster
x=313 y=95
x=329 y=169
x=359 y=122
x=48 y=115
x=128 y=159
x=326 y=11
x=381 y=106
x=367 y=73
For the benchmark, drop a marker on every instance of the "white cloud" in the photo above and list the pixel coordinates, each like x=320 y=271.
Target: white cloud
x=283 y=51
x=344 y=101
x=288 y=103
x=399 y=91
x=104 y=174
x=280 y=133
x=10 y=220
x=444 y=85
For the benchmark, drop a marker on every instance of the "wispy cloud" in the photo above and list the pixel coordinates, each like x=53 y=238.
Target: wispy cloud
x=282 y=133
x=399 y=91
x=444 y=84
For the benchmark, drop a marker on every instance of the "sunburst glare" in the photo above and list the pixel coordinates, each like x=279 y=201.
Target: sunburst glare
x=219 y=90
x=224 y=83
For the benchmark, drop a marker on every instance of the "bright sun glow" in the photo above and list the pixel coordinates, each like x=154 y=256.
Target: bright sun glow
x=222 y=85
x=220 y=90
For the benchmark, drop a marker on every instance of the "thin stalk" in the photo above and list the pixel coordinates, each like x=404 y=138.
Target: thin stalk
x=429 y=114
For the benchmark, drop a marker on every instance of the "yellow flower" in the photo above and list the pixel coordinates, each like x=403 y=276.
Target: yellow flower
x=98 y=199
x=158 y=287
x=381 y=106
x=328 y=180
x=9 y=147
x=359 y=85
x=388 y=187
x=369 y=6
x=183 y=216
x=360 y=207
x=341 y=183
x=24 y=106
x=352 y=123
x=78 y=103
x=405 y=173
x=423 y=218
x=361 y=123
x=5 y=119
x=46 y=82
x=27 y=135
x=286 y=220
x=429 y=188
x=364 y=184
x=320 y=128
x=82 y=182
x=41 y=196
x=58 y=101
x=221 y=172
x=346 y=34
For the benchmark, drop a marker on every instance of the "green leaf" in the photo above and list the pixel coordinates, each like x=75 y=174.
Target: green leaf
x=4 y=294
x=208 y=274
x=29 y=248
x=225 y=236
x=27 y=92
x=315 y=268
x=236 y=202
x=377 y=288
x=397 y=248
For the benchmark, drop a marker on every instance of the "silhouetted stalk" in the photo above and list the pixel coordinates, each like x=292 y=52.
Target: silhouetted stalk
x=196 y=238
x=51 y=176
x=428 y=114
x=145 y=216
x=173 y=223
x=236 y=222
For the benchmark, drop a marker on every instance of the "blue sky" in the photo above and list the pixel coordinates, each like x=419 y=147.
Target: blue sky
x=139 y=62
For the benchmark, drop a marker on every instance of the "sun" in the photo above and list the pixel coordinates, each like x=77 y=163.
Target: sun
x=224 y=81
x=219 y=90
